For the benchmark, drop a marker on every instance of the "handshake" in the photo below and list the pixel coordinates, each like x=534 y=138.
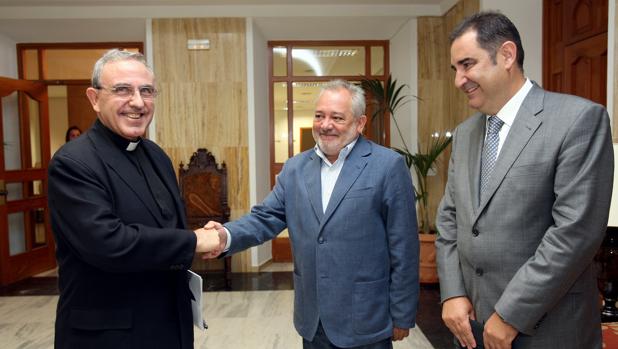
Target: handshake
x=211 y=240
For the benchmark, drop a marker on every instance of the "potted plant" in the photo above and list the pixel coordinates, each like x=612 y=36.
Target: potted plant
x=424 y=163
x=387 y=99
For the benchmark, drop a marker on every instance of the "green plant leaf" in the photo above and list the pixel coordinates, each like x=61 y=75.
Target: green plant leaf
x=387 y=99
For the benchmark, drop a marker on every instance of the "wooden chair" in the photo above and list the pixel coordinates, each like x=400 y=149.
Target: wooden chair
x=203 y=186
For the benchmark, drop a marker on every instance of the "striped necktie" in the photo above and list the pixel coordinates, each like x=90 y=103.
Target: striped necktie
x=490 y=151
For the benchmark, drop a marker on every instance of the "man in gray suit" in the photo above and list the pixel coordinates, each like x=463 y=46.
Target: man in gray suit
x=349 y=207
x=526 y=203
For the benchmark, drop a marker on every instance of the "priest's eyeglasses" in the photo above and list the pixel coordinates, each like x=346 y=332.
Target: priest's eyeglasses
x=147 y=92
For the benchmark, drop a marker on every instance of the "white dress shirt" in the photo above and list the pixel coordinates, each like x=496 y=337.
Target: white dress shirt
x=509 y=111
x=330 y=172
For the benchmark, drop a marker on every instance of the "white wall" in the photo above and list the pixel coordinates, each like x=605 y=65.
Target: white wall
x=8 y=57
x=611 y=46
x=404 y=67
x=612 y=220
x=527 y=15
x=611 y=51
x=259 y=133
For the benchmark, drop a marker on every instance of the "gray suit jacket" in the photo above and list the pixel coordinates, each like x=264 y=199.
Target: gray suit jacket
x=355 y=265
x=526 y=251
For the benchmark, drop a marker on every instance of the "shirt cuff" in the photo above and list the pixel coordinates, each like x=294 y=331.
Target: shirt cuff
x=229 y=240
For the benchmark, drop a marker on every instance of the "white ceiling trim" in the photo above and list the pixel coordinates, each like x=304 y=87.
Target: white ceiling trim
x=58 y=12
x=204 y=2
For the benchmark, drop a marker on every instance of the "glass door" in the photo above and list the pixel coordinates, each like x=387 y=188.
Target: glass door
x=26 y=244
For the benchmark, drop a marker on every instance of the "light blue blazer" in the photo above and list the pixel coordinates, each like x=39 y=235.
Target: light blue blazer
x=356 y=264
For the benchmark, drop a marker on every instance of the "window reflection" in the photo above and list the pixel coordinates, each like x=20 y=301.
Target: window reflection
x=17 y=236
x=31 y=64
x=35 y=133
x=23 y=190
x=26 y=229
x=37 y=227
x=280 y=61
x=377 y=60
x=281 y=121
x=305 y=94
x=11 y=134
x=328 y=60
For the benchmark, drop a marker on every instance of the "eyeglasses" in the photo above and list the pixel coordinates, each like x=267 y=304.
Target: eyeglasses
x=127 y=91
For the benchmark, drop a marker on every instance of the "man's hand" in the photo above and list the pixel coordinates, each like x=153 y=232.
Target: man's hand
x=400 y=333
x=456 y=314
x=498 y=334
x=207 y=240
x=218 y=227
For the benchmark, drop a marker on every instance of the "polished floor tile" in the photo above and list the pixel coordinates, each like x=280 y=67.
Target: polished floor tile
x=243 y=310
x=250 y=319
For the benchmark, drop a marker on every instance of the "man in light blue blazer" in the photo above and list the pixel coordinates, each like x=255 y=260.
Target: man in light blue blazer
x=349 y=208
x=526 y=203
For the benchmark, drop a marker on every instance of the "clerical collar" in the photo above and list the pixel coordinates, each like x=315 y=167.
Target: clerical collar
x=133 y=145
x=120 y=141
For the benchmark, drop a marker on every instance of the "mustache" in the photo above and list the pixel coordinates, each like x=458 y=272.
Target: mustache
x=326 y=133
x=469 y=85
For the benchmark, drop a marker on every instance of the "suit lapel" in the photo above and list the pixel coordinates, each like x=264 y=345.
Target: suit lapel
x=312 y=173
x=476 y=139
x=525 y=125
x=352 y=168
x=125 y=169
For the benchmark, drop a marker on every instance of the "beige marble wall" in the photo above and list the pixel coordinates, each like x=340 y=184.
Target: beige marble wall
x=203 y=99
x=441 y=107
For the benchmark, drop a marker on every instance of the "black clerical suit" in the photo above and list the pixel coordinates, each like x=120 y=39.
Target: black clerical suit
x=122 y=246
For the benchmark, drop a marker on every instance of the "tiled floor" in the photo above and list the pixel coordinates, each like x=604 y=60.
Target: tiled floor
x=265 y=318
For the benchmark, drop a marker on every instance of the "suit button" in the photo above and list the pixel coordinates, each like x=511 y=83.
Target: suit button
x=479 y=271
x=475 y=232
x=320 y=240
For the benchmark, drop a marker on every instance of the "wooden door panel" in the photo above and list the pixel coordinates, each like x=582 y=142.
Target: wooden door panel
x=553 y=45
x=584 y=19
x=586 y=68
x=575 y=47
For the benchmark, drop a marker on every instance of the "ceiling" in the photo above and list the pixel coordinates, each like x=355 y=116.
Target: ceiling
x=40 y=21
x=210 y=2
x=73 y=30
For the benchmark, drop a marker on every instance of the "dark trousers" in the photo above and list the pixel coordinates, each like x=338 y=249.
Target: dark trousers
x=320 y=341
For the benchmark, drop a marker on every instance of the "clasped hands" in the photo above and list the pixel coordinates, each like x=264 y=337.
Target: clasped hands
x=457 y=312
x=211 y=240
